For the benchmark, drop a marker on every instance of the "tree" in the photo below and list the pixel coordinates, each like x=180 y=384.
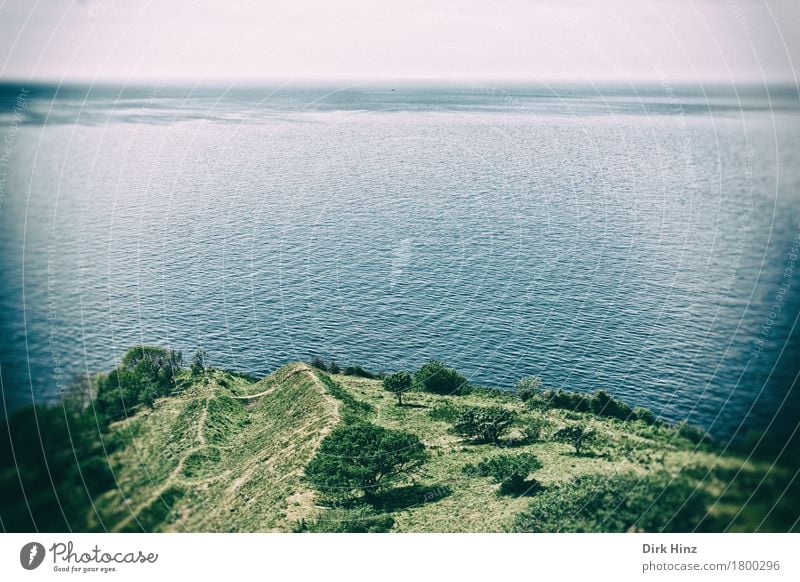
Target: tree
x=576 y=435
x=527 y=388
x=398 y=383
x=485 y=424
x=438 y=378
x=198 y=365
x=365 y=458
x=511 y=471
x=156 y=369
x=144 y=374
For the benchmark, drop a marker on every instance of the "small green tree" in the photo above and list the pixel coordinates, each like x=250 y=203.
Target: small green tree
x=398 y=384
x=511 y=471
x=576 y=435
x=437 y=377
x=364 y=457
x=198 y=364
x=484 y=424
x=527 y=388
x=145 y=374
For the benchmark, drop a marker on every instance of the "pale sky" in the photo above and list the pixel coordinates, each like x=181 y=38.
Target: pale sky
x=209 y=40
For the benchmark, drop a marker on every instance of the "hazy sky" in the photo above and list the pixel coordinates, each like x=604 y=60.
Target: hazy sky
x=558 y=39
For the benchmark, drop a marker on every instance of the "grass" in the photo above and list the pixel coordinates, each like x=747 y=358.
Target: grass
x=228 y=454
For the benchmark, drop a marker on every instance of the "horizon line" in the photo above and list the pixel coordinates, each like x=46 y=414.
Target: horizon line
x=453 y=79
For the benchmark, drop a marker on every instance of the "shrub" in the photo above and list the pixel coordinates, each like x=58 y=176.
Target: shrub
x=645 y=415
x=398 y=383
x=622 y=503
x=360 y=372
x=364 y=457
x=573 y=401
x=576 y=435
x=532 y=428
x=484 y=424
x=144 y=374
x=446 y=411
x=527 y=388
x=334 y=367
x=692 y=433
x=319 y=363
x=600 y=403
x=360 y=519
x=511 y=471
x=198 y=364
x=436 y=377
x=604 y=405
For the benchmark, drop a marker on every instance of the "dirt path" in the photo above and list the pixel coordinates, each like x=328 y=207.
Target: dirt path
x=297 y=369
x=251 y=467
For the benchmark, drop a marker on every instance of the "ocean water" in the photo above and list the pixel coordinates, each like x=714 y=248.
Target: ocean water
x=635 y=239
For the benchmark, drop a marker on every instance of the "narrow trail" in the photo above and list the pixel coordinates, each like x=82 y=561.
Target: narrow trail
x=201 y=424
x=175 y=475
x=333 y=419
x=297 y=369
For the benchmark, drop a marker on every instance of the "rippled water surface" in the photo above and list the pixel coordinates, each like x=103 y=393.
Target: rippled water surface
x=632 y=240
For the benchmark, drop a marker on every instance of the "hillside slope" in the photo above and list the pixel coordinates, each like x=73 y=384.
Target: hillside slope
x=227 y=455
x=216 y=459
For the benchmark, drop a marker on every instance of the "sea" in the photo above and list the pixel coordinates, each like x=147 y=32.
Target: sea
x=640 y=239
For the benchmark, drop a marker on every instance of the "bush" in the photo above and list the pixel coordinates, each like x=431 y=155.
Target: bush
x=198 y=365
x=360 y=519
x=622 y=503
x=398 y=384
x=527 y=388
x=318 y=363
x=599 y=403
x=334 y=367
x=436 y=377
x=446 y=411
x=692 y=433
x=484 y=424
x=645 y=415
x=604 y=405
x=144 y=374
x=360 y=372
x=532 y=428
x=577 y=435
x=511 y=471
x=365 y=458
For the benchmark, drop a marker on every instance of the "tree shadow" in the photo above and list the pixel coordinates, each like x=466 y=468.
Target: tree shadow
x=587 y=454
x=513 y=443
x=409 y=496
x=526 y=488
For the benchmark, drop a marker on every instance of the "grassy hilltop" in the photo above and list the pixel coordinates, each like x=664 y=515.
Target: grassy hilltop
x=224 y=452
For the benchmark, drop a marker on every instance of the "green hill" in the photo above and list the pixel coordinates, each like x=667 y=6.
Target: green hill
x=225 y=453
